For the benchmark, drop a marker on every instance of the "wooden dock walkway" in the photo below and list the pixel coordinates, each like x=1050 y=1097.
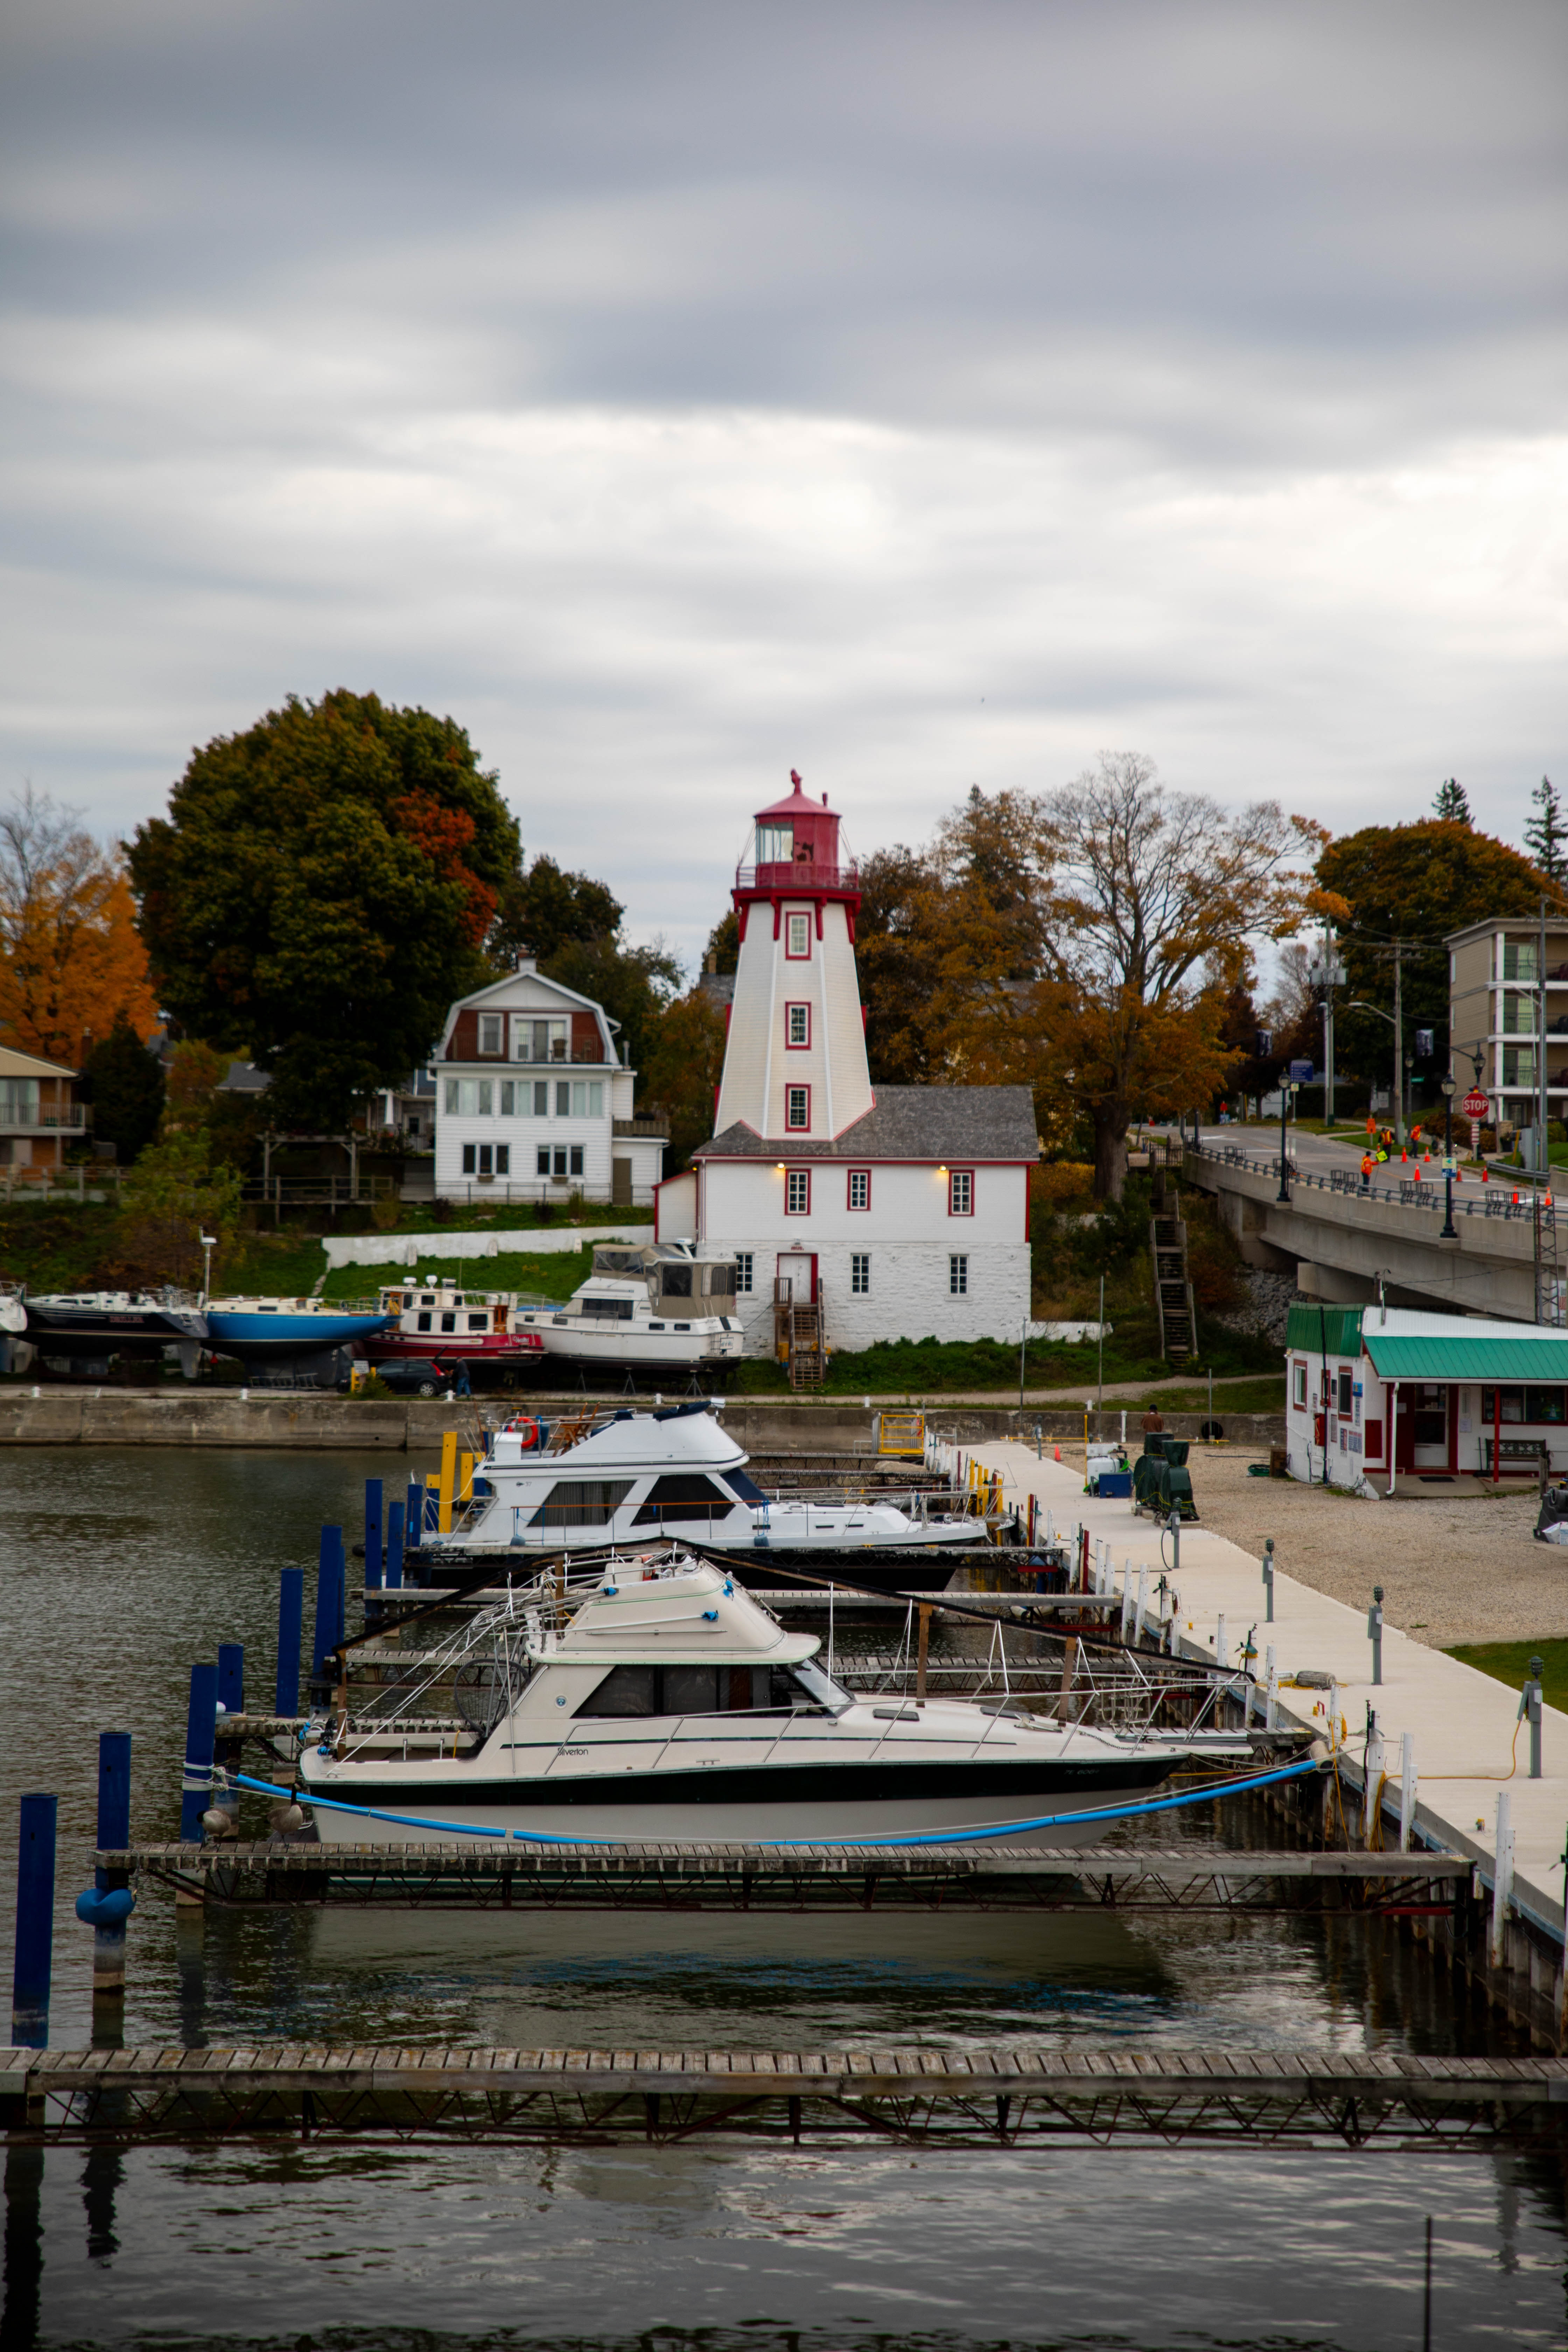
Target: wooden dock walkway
x=1010 y=2098
x=958 y=1878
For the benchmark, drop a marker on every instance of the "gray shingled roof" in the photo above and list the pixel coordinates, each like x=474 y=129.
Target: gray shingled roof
x=908 y=1123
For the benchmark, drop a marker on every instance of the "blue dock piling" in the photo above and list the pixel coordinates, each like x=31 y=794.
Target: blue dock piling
x=413 y=1532
x=329 y=1601
x=34 y=1922
x=373 y=1535
x=111 y=1902
x=201 y=1730
x=231 y=1677
x=393 y=1547
x=290 y=1627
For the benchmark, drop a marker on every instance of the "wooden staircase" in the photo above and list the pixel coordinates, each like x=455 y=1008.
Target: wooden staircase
x=1172 y=1291
x=800 y=1336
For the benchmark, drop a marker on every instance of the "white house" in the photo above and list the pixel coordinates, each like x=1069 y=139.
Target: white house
x=905 y=1209
x=532 y=1101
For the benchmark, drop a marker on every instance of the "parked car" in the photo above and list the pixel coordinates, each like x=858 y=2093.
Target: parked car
x=421 y=1376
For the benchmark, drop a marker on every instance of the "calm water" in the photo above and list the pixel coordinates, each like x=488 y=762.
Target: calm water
x=118 y=1568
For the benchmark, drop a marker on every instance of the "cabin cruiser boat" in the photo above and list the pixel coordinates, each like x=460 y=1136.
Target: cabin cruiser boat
x=475 y=1328
x=103 y=1323
x=653 y=1699
x=276 y=1331
x=658 y=1308
x=626 y=1478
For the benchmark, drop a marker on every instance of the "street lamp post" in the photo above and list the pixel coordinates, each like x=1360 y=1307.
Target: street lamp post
x=1449 y=1231
x=1284 y=1191
x=209 y=1243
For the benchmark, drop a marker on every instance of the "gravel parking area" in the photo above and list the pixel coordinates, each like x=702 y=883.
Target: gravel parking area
x=1460 y=1569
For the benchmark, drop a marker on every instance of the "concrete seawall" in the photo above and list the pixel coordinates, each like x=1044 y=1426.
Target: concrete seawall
x=329 y=1423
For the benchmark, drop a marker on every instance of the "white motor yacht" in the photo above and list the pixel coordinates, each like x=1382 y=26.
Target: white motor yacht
x=626 y=1478
x=655 y=1699
x=661 y=1308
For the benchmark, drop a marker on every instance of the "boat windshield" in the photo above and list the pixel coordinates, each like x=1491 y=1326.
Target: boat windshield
x=821 y=1687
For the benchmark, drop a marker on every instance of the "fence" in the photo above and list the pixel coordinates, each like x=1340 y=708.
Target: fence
x=1512 y=1195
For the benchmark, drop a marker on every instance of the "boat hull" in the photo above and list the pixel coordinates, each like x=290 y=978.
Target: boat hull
x=284 y=1338
x=818 y=1804
x=613 y=1348
x=107 y=1332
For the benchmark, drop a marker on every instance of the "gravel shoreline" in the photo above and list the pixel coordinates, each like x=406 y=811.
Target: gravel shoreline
x=1459 y=1568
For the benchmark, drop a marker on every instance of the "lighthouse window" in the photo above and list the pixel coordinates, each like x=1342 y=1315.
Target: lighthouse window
x=797 y=1025
x=860 y=1188
x=797 y=1112
x=797 y=1192
x=775 y=845
x=797 y=937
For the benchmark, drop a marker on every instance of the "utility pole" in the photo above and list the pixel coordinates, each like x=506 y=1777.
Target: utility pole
x=1399 y=1047
x=1327 y=972
x=1542 y=1150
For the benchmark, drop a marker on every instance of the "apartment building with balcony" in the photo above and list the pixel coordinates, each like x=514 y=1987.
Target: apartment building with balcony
x=1495 y=986
x=39 y=1113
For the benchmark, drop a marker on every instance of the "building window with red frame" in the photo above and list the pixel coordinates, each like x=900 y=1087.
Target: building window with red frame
x=798 y=938
x=860 y=1188
x=797 y=1026
x=960 y=1192
x=797 y=1110
x=797 y=1192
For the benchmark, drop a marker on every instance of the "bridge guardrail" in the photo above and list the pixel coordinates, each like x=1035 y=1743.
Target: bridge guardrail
x=1496 y=1199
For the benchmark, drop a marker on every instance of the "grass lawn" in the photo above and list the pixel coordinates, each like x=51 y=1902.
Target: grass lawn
x=555 y=1275
x=1508 y=1662
x=1241 y=1396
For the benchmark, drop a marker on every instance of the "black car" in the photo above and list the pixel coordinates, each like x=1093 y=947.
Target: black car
x=417 y=1376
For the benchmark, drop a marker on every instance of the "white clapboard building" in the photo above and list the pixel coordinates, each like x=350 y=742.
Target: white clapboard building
x=905 y=1209
x=532 y=1101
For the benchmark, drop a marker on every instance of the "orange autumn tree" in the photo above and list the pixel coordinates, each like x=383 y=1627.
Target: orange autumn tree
x=71 y=961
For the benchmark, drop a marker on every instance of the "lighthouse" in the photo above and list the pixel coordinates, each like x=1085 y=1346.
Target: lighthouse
x=855 y=1214
x=794 y=1059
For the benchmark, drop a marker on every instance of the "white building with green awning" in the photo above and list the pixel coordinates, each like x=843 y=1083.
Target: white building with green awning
x=1393 y=1396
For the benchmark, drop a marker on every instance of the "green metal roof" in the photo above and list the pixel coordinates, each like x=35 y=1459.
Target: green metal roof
x=1540 y=1356
x=1318 y=1330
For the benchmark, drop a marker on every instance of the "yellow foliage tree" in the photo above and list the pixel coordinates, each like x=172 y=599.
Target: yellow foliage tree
x=71 y=961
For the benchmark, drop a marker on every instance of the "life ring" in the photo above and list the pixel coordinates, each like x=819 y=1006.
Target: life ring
x=526 y=1432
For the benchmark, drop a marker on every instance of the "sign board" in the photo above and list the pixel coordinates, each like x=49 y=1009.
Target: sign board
x=1476 y=1105
x=1424 y=1045
x=1300 y=1074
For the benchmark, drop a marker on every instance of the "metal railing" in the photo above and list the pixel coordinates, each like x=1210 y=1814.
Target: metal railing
x=786 y=874
x=1510 y=1195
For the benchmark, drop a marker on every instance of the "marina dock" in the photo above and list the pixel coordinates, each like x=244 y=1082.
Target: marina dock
x=998 y=2098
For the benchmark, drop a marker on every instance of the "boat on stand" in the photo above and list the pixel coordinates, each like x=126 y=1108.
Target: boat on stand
x=81 y=1330
x=574 y=1484
x=297 y=1340
x=477 y=1328
x=652 y=1697
x=661 y=1308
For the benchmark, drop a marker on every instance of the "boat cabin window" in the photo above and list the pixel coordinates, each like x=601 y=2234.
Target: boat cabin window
x=608 y=1310
x=675 y=1281
x=747 y=1488
x=581 y=1503
x=424 y=1323
x=719 y=1282
x=714 y=1690
x=685 y=1494
x=479 y=1322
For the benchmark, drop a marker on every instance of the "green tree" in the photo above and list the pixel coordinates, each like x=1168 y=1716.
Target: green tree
x=722 y=952
x=1546 y=834
x=1415 y=883
x=683 y=1074
x=543 y=910
x=1450 y=806
x=171 y=1196
x=321 y=888
x=124 y=1084
x=635 y=985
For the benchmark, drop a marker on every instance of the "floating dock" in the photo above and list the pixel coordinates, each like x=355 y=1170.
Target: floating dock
x=867 y=2099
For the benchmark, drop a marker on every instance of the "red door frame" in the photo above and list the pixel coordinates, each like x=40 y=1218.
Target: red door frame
x=1404 y=1432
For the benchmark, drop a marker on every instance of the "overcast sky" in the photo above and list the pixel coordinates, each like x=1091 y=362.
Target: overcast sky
x=916 y=396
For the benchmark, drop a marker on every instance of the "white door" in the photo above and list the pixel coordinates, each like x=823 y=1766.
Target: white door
x=796 y=1272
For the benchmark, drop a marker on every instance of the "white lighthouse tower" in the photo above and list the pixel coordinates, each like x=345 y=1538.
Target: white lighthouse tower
x=898 y=1213
x=794 y=1059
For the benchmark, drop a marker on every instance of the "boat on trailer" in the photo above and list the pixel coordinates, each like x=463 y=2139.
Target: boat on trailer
x=651 y=1697
x=621 y=1477
x=658 y=1308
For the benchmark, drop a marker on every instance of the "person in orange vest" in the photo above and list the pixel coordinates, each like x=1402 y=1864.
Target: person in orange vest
x=1367 y=1165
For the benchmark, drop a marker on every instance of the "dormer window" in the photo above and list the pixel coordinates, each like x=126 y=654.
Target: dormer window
x=491 y=1032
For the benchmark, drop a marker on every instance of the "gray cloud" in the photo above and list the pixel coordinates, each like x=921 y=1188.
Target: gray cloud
x=916 y=395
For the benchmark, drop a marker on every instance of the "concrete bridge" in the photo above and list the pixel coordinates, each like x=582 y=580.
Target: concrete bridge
x=1336 y=1240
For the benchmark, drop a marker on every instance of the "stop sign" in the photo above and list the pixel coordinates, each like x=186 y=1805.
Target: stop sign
x=1476 y=1105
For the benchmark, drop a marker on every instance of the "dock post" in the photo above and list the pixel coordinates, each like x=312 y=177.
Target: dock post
x=1141 y=1611
x=1220 y=1653
x=114 y=1837
x=1272 y=1697
x=329 y=1605
x=34 y=1922
x=1371 y=1782
x=372 y=1534
x=1530 y=1707
x=1502 y=1879
x=393 y=1547
x=231 y=1699
x=1407 y=1789
x=1268 y=1580
x=290 y=1627
x=449 y=1480
x=201 y=1730
x=1375 y=1634
x=414 y=1532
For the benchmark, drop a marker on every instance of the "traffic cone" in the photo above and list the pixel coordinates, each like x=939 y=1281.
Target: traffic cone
x=1058 y=1454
